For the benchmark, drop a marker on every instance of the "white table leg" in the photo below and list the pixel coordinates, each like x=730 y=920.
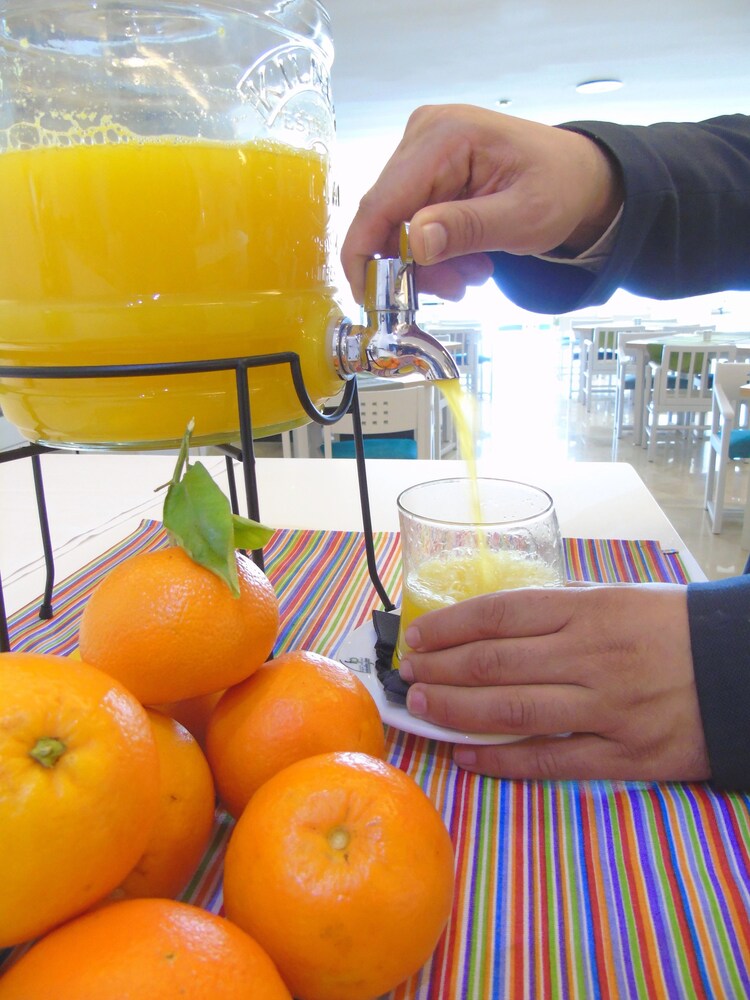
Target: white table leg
x=639 y=395
x=745 y=536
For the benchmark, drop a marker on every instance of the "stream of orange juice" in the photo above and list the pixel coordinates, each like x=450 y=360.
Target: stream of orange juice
x=458 y=574
x=160 y=249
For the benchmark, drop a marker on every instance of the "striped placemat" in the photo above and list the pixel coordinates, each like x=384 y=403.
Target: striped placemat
x=564 y=889
x=605 y=560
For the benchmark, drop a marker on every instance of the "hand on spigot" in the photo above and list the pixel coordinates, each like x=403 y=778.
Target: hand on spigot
x=471 y=180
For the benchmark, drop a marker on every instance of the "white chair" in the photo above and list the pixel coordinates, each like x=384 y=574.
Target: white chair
x=385 y=412
x=681 y=386
x=445 y=432
x=570 y=351
x=629 y=371
x=575 y=331
x=598 y=364
x=462 y=340
x=729 y=438
x=626 y=373
x=573 y=341
x=296 y=443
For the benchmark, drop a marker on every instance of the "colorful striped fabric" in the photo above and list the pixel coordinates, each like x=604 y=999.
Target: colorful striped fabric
x=606 y=561
x=578 y=890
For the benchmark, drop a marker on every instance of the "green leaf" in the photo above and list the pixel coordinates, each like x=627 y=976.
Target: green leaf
x=249 y=534
x=183 y=456
x=199 y=518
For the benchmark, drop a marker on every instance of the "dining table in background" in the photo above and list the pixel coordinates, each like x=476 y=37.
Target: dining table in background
x=564 y=889
x=649 y=348
x=582 y=330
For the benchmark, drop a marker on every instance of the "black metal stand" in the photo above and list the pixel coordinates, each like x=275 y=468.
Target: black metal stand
x=244 y=454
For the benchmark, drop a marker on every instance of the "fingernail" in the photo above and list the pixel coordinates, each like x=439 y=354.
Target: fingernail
x=464 y=758
x=413 y=637
x=406 y=670
x=416 y=702
x=435 y=237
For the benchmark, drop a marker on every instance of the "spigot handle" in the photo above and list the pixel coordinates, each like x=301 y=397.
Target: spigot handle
x=391 y=344
x=390 y=288
x=404 y=247
x=390 y=282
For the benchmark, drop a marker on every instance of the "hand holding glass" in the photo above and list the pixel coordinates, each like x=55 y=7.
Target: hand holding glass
x=462 y=537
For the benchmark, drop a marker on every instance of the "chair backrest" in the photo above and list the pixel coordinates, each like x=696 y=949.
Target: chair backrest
x=731 y=411
x=604 y=338
x=730 y=375
x=391 y=410
x=624 y=335
x=693 y=334
x=684 y=378
x=600 y=350
x=462 y=341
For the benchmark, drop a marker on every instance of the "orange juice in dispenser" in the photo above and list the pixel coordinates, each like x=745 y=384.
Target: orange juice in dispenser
x=165 y=191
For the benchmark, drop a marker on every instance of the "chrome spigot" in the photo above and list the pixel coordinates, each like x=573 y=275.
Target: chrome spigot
x=391 y=345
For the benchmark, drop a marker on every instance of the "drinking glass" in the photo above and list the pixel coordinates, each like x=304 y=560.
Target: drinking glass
x=464 y=537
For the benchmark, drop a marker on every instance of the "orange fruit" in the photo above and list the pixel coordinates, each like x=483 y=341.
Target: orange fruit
x=79 y=789
x=192 y=713
x=184 y=821
x=341 y=868
x=148 y=948
x=170 y=629
x=297 y=705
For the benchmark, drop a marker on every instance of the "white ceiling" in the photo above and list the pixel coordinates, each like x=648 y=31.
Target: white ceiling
x=679 y=59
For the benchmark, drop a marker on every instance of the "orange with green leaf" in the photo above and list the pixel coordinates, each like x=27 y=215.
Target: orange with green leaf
x=190 y=619
x=338 y=878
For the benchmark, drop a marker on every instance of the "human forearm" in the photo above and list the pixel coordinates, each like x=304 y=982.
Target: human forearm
x=719 y=615
x=685 y=227
x=470 y=181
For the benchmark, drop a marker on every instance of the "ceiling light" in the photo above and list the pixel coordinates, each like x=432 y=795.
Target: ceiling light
x=598 y=86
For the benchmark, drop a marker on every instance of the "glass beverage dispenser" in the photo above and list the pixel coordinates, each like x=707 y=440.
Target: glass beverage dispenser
x=165 y=191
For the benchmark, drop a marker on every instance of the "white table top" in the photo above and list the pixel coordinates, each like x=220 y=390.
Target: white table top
x=94 y=500
x=714 y=337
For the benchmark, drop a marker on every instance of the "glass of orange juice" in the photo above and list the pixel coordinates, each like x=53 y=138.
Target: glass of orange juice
x=464 y=537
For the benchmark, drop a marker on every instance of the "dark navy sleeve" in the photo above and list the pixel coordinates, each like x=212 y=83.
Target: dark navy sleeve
x=684 y=231
x=719 y=614
x=685 y=227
